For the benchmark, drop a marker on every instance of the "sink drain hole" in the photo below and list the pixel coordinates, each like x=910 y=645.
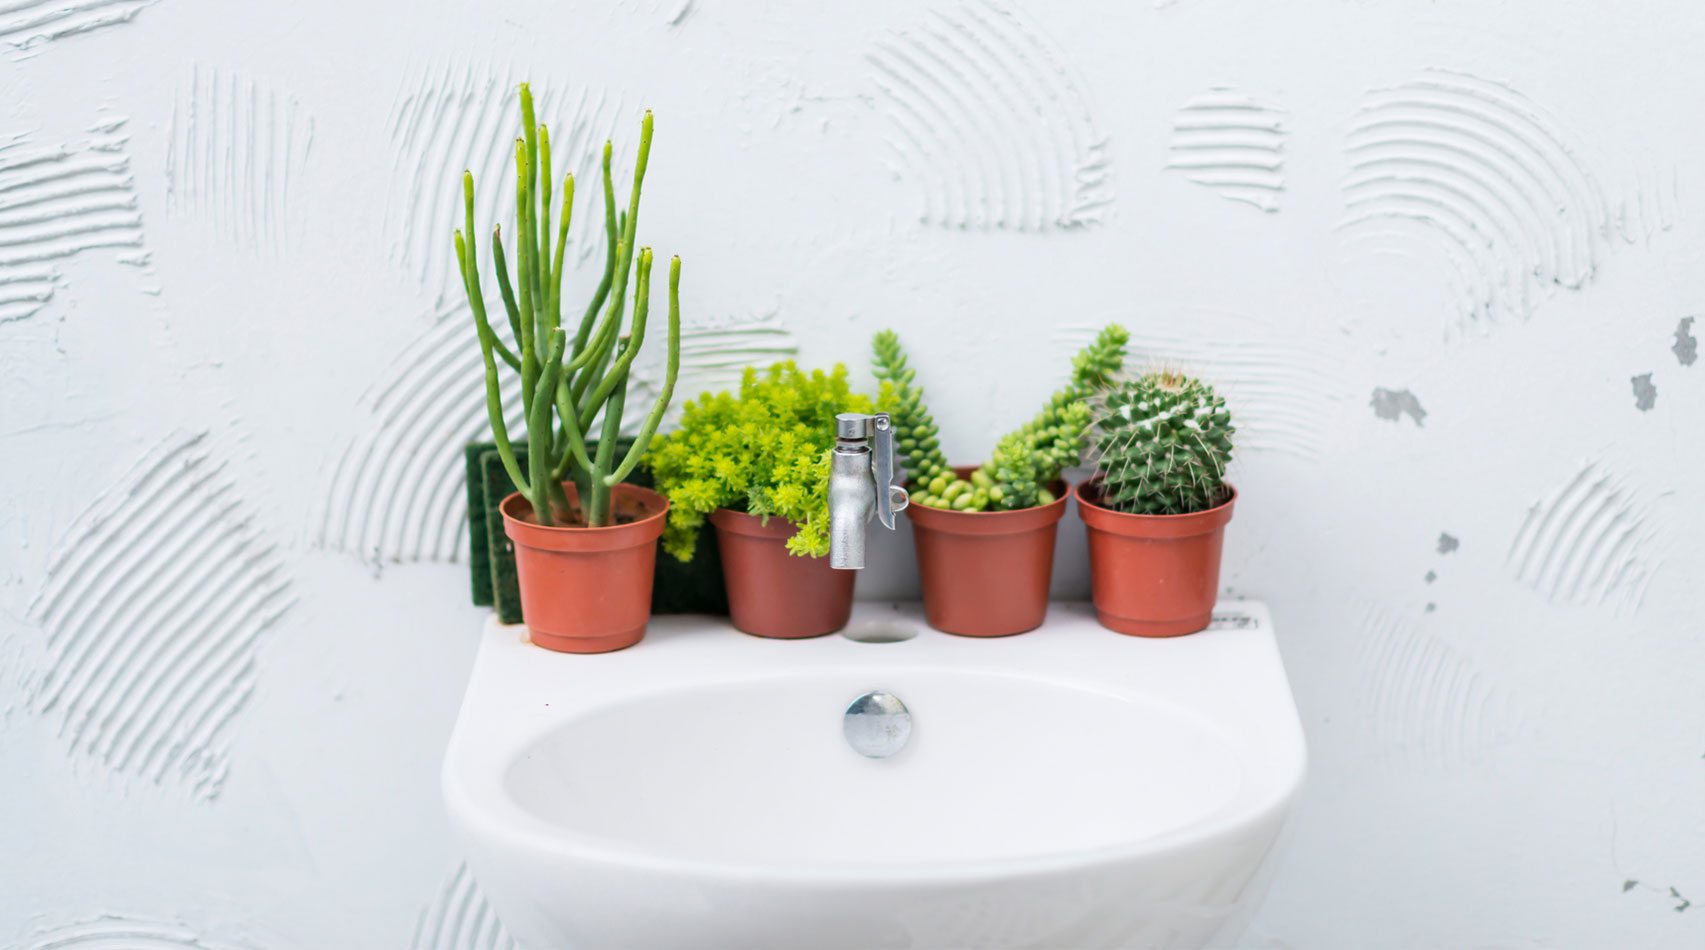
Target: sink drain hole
x=881 y=631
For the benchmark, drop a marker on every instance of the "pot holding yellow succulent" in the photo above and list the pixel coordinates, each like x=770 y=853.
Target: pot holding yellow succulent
x=755 y=464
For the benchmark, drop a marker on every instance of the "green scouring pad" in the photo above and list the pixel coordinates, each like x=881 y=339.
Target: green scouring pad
x=479 y=546
x=506 y=591
x=694 y=587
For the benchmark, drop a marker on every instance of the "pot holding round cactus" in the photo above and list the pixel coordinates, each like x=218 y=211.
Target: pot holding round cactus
x=1157 y=507
x=755 y=465
x=585 y=543
x=985 y=534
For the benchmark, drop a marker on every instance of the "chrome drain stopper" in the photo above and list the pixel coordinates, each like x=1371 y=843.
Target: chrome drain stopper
x=877 y=725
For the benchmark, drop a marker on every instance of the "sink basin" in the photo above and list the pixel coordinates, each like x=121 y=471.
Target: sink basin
x=1070 y=787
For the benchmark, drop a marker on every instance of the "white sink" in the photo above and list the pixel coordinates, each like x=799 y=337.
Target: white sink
x=1069 y=787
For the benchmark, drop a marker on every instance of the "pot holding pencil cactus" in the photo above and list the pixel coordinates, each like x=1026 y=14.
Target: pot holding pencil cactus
x=585 y=542
x=985 y=534
x=1158 y=505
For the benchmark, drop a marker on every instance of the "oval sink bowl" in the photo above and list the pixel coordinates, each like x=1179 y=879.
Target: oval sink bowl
x=753 y=773
x=1068 y=788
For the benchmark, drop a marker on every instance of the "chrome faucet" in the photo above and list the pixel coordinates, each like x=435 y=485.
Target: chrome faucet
x=861 y=484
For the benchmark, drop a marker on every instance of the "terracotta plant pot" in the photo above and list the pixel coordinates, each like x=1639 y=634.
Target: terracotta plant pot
x=587 y=590
x=1153 y=575
x=986 y=573
x=772 y=593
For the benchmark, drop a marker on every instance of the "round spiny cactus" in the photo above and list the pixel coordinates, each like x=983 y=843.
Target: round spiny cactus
x=1162 y=442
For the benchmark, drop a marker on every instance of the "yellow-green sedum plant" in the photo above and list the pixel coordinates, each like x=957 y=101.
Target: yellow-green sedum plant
x=1025 y=461
x=566 y=383
x=763 y=450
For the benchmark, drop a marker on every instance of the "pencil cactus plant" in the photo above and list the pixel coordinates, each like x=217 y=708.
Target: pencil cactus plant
x=567 y=382
x=1162 y=443
x=1025 y=461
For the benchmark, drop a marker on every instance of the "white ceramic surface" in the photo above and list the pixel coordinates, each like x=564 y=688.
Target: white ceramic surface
x=1069 y=787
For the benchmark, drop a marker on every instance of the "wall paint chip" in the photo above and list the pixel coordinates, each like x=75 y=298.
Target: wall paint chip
x=1393 y=404
x=1686 y=346
x=1645 y=393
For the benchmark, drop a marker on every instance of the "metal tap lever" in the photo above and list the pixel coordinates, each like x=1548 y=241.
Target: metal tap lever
x=882 y=467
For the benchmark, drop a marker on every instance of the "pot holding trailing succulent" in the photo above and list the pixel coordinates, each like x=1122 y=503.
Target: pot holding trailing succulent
x=585 y=542
x=755 y=464
x=1158 y=504
x=985 y=534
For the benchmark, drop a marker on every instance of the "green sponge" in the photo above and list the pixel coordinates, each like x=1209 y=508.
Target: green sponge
x=693 y=587
x=479 y=543
x=500 y=568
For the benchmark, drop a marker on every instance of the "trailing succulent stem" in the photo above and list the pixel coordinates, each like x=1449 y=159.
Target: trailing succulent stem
x=566 y=382
x=1025 y=461
x=1162 y=443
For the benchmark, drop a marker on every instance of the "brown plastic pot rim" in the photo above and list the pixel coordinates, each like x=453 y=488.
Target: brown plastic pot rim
x=1100 y=517
x=614 y=537
x=753 y=526
x=948 y=521
x=990 y=522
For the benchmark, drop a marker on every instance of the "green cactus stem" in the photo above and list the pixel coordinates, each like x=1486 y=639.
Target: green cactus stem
x=1054 y=438
x=1162 y=444
x=567 y=382
x=916 y=438
x=1025 y=461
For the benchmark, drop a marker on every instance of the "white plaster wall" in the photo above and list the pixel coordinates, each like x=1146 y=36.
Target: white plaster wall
x=1442 y=255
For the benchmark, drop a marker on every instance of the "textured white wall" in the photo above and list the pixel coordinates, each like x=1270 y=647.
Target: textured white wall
x=1445 y=257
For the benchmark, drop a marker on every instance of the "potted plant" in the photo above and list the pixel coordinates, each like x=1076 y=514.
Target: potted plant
x=585 y=542
x=1158 y=504
x=985 y=534
x=755 y=464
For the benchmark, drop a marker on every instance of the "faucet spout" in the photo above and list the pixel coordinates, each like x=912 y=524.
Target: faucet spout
x=852 y=501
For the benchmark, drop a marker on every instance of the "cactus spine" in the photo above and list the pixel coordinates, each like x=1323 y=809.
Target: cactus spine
x=1162 y=443
x=1025 y=461
x=564 y=386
